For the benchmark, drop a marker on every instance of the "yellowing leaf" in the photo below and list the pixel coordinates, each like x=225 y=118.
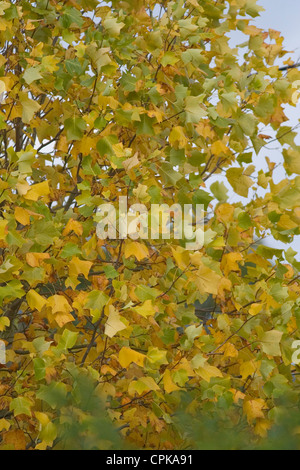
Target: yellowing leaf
x=271 y=342
x=114 y=323
x=22 y=216
x=73 y=226
x=239 y=182
x=4 y=425
x=143 y=385
x=127 y=356
x=230 y=262
x=3 y=229
x=207 y=281
x=177 y=137
x=37 y=190
x=253 y=409
x=255 y=309
x=35 y=259
x=78 y=266
x=147 y=309
x=169 y=385
x=136 y=249
x=35 y=300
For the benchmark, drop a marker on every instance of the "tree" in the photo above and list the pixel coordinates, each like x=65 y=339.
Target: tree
x=148 y=101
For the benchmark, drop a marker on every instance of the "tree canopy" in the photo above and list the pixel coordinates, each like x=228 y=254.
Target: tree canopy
x=151 y=101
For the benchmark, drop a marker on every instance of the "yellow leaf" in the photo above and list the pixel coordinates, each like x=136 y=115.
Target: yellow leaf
x=208 y=371
x=35 y=300
x=136 y=249
x=127 y=356
x=146 y=310
x=35 y=259
x=77 y=266
x=255 y=309
x=253 y=409
x=4 y=323
x=114 y=323
x=182 y=257
x=207 y=281
x=169 y=385
x=38 y=190
x=230 y=262
x=59 y=303
x=4 y=425
x=247 y=369
x=177 y=136
x=262 y=427
x=22 y=216
x=3 y=229
x=143 y=385
x=73 y=226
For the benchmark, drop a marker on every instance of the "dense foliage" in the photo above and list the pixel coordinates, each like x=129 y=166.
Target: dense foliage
x=108 y=341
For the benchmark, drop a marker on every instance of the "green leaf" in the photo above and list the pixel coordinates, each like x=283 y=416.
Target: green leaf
x=39 y=368
x=75 y=128
x=144 y=293
x=194 y=109
x=68 y=340
x=220 y=191
x=21 y=406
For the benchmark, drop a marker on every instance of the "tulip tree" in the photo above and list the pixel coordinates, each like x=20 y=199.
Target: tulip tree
x=150 y=101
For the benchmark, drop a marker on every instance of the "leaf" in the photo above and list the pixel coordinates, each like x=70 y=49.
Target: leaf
x=139 y=250
x=29 y=108
x=16 y=439
x=22 y=216
x=127 y=356
x=36 y=259
x=68 y=340
x=37 y=191
x=194 y=110
x=113 y=27
x=39 y=368
x=178 y=137
x=253 y=409
x=239 y=182
x=32 y=74
x=75 y=128
x=21 y=406
x=207 y=280
x=143 y=385
x=271 y=343
x=147 y=309
x=35 y=300
x=145 y=293
x=78 y=266
x=169 y=385
x=114 y=323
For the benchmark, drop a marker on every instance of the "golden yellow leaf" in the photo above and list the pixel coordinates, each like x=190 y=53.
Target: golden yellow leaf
x=114 y=322
x=139 y=250
x=37 y=190
x=253 y=409
x=169 y=385
x=35 y=300
x=73 y=226
x=127 y=356
x=147 y=309
x=22 y=216
x=35 y=259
